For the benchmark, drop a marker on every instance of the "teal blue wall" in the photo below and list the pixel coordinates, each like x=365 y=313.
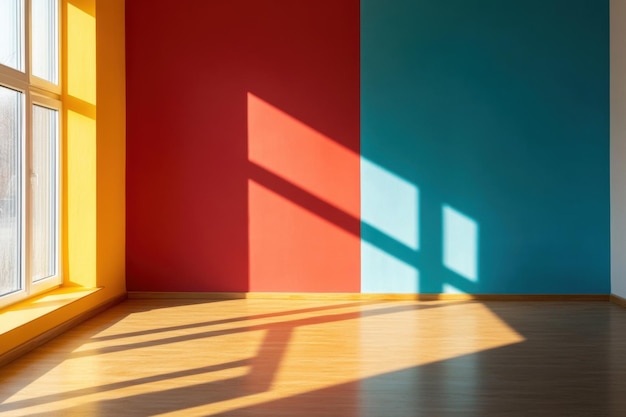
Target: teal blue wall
x=493 y=117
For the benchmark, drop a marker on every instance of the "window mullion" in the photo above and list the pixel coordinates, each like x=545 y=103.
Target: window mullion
x=27 y=191
x=13 y=78
x=26 y=161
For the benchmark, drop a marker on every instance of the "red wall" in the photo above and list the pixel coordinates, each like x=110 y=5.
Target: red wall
x=243 y=144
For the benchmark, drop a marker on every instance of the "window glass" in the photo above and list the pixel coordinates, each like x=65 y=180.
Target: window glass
x=11 y=38
x=10 y=201
x=44 y=194
x=44 y=39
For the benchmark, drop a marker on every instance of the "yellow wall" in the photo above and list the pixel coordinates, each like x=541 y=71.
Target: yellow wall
x=94 y=118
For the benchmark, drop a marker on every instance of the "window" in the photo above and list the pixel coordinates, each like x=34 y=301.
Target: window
x=29 y=148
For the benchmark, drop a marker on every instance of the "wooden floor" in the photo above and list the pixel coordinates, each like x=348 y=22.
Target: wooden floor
x=329 y=358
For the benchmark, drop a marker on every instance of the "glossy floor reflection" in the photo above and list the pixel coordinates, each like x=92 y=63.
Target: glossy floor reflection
x=329 y=358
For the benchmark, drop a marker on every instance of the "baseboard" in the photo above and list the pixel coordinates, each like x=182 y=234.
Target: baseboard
x=56 y=331
x=620 y=301
x=364 y=297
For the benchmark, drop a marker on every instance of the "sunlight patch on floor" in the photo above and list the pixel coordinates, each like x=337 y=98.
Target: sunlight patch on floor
x=208 y=358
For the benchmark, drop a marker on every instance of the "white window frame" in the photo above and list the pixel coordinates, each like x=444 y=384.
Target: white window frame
x=39 y=92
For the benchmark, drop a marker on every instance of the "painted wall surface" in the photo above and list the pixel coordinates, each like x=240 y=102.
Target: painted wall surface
x=618 y=148
x=243 y=145
x=485 y=141
x=481 y=164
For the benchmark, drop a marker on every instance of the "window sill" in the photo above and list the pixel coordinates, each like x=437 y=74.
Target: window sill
x=24 y=312
x=29 y=324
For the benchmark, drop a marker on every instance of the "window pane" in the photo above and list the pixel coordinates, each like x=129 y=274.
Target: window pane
x=44 y=193
x=11 y=45
x=10 y=180
x=44 y=54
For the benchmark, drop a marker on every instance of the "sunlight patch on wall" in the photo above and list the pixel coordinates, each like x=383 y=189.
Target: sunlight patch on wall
x=81 y=191
x=390 y=204
x=294 y=249
x=81 y=54
x=460 y=243
x=384 y=273
x=302 y=155
x=303 y=205
x=451 y=289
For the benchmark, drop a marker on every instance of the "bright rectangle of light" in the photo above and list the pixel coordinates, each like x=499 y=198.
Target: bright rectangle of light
x=81 y=55
x=81 y=200
x=303 y=156
x=384 y=273
x=390 y=204
x=460 y=243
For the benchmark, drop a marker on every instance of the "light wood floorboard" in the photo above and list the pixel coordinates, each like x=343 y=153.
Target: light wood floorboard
x=253 y=357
